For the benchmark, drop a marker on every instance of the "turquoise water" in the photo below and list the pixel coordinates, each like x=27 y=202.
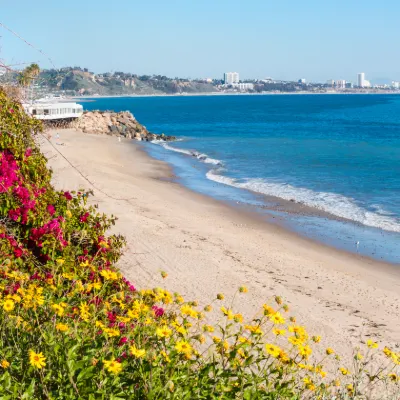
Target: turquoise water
x=339 y=154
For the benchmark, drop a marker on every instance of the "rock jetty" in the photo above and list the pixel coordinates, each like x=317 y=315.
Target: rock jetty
x=116 y=124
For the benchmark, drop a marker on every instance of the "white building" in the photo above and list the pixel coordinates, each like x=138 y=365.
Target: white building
x=396 y=84
x=361 y=82
x=330 y=82
x=54 y=111
x=302 y=81
x=340 y=84
x=231 y=78
x=243 y=86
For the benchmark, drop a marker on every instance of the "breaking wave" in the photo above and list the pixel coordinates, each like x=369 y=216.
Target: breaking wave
x=335 y=204
x=200 y=156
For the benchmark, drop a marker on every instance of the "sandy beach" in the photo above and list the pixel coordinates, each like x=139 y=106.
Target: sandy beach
x=208 y=247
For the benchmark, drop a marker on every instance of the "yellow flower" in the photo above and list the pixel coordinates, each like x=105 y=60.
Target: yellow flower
x=58 y=309
x=238 y=318
x=277 y=318
x=112 y=332
x=208 y=328
x=278 y=332
x=163 y=332
x=5 y=364
x=329 y=351
x=8 y=305
x=254 y=329
x=60 y=261
x=62 y=327
x=138 y=353
x=96 y=285
x=278 y=299
x=305 y=351
x=68 y=214
x=393 y=377
x=371 y=344
x=243 y=289
x=164 y=274
x=283 y=357
x=208 y=308
x=220 y=296
x=227 y=313
x=387 y=352
x=344 y=371
x=359 y=356
x=350 y=388
x=165 y=355
x=113 y=366
x=268 y=310
x=216 y=339
x=187 y=310
x=244 y=340
x=104 y=244
x=316 y=339
x=109 y=275
x=294 y=340
x=183 y=347
x=273 y=350
x=37 y=360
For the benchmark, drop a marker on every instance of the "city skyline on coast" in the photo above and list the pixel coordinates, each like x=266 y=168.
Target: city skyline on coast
x=287 y=41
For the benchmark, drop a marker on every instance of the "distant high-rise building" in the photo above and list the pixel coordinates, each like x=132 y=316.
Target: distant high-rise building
x=231 y=78
x=302 y=81
x=340 y=84
x=330 y=82
x=396 y=84
x=361 y=79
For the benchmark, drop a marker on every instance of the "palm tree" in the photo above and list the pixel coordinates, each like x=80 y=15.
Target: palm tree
x=27 y=76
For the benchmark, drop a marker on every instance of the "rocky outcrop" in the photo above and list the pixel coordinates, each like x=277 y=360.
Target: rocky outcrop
x=115 y=124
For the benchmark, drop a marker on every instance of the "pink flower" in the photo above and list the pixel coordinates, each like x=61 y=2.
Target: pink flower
x=28 y=152
x=158 y=311
x=18 y=252
x=50 y=208
x=11 y=111
x=84 y=217
x=67 y=195
x=14 y=214
x=122 y=341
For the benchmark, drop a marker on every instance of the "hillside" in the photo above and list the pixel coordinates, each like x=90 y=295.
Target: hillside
x=77 y=81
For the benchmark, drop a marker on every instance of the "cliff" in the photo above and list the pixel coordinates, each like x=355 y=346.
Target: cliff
x=75 y=81
x=115 y=124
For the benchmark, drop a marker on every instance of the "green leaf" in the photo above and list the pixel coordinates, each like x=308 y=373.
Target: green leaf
x=28 y=394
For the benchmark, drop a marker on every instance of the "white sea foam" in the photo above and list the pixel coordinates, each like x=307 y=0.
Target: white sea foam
x=332 y=203
x=200 y=156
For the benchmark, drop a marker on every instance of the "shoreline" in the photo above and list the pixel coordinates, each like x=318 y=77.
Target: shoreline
x=290 y=215
x=208 y=247
x=282 y=205
x=86 y=98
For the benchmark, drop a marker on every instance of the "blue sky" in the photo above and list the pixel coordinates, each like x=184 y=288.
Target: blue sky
x=285 y=39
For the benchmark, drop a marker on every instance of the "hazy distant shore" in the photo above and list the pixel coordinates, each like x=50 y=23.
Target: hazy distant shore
x=229 y=94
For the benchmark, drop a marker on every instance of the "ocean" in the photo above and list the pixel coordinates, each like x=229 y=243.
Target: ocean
x=333 y=160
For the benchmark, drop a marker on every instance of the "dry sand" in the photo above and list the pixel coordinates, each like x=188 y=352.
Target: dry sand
x=207 y=247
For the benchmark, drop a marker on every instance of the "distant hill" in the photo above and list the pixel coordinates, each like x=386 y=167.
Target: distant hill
x=78 y=81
